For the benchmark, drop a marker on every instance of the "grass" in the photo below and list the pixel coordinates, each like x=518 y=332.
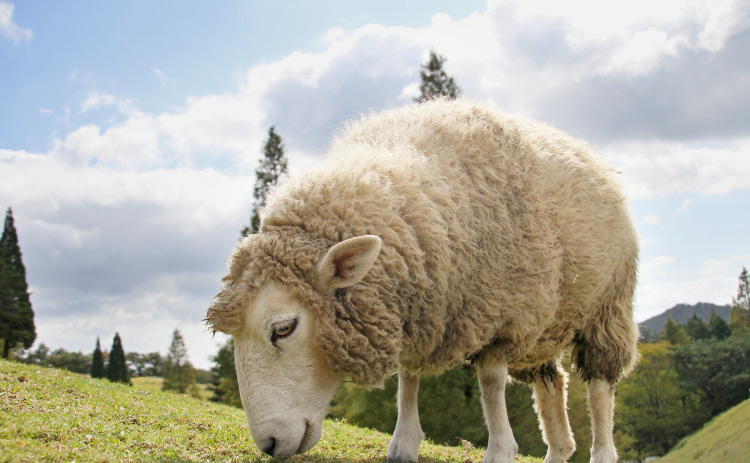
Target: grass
x=153 y=384
x=725 y=439
x=54 y=416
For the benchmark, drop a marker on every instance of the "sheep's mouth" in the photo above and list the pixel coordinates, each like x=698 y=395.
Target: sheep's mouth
x=306 y=437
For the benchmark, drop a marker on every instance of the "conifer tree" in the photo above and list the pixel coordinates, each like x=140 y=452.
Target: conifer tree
x=179 y=373
x=435 y=82
x=117 y=369
x=97 y=363
x=16 y=315
x=225 y=386
x=718 y=327
x=674 y=333
x=7 y=309
x=696 y=329
x=270 y=169
x=739 y=317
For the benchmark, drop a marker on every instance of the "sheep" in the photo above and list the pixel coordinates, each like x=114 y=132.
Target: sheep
x=433 y=235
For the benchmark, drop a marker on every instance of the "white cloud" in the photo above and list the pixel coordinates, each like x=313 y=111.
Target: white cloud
x=641 y=53
x=729 y=266
x=683 y=207
x=726 y=17
x=164 y=81
x=659 y=168
x=651 y=268
x=96 y=100
x=653 y=298
x=8 y=28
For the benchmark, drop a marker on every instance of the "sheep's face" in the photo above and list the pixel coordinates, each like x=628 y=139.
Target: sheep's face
x=285 y=380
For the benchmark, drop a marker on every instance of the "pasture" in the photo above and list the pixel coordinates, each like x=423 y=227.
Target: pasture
x=153 y=384
x=55 y=415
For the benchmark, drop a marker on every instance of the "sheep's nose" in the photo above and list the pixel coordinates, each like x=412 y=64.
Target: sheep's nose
x=270 y=448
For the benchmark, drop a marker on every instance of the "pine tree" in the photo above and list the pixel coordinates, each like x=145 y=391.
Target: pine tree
x=435 y=82
x=696 y=329
x=718 y=327
x=272 y=166
x=179 y=373
x=739 y=317
x=117 y=369
x=16 y=315
x=674 y=333
x=97 y=363
x=225 y=386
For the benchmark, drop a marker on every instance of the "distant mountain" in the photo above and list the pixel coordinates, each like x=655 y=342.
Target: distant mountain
x=681 y=312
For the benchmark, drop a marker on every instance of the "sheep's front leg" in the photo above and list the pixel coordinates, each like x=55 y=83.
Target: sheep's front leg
x=501 y=447
x=408 y=434
x=602 y=410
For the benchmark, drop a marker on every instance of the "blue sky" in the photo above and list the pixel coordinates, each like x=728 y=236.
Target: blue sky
x=130 y=131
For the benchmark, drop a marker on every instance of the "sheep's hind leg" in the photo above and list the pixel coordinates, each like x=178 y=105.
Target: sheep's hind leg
x=601 y=408
x=404 y=446
x=502 y=447
x=550 y=397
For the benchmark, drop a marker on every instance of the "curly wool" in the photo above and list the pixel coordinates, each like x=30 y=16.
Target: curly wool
x=500 y=237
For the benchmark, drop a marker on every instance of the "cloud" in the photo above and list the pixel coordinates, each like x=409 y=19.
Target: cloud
x=660 y=168
x=726 y=18
x=683 y=207
x=652 y=298
x=732 y=265
x=651 y=268
x=9 y=29
x=164 y=81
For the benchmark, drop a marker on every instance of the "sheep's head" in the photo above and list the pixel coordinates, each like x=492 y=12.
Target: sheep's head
x=297 y=338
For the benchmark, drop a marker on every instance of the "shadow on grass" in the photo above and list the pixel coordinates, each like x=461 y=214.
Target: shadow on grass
x=312 y=459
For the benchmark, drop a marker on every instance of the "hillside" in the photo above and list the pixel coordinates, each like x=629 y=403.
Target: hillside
x=682 y=312
x=55 y=415
x=725 y=439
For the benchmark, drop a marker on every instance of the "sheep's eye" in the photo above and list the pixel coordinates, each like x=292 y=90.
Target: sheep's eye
x=283 y=329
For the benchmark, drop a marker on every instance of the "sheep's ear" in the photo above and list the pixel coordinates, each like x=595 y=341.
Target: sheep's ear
x=346 y=263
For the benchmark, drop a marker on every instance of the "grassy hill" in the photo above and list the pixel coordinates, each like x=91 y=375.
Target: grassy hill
x=54 y=415
x=725 y=439
x=153 y=384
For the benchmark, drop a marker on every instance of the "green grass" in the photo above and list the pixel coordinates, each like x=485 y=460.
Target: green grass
x=54 y=416
x=725 y=439
x=153 y=384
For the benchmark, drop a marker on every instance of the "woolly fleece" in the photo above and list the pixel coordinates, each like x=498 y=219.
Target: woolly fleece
x=501 y=237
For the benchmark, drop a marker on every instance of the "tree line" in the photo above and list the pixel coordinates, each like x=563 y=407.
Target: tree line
x=115 y=365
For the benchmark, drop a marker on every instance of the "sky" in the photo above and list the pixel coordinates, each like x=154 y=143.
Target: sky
x=130 y=132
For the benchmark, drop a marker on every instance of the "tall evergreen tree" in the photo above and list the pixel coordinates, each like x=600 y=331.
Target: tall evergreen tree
x=225 y=386
x=16 y=315
x=8 y=312
x=117 y=369
x=696 y=329
x=435 y=82
x=739 y=317
x=718 y=328
x=674 y=333
x=270 y=169
x=97 y=362
x=179 y=373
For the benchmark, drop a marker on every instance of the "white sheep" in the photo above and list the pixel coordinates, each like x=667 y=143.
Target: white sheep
x=430 y=235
